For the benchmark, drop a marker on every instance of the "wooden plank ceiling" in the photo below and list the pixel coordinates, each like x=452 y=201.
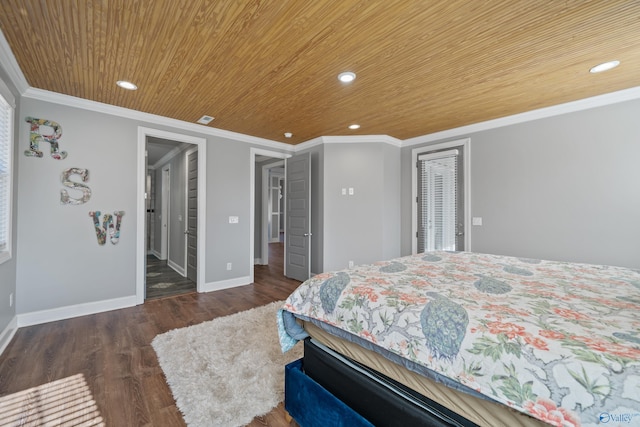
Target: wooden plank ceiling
x=268 y=67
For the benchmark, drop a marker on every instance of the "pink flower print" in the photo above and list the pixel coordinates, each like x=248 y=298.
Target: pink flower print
x=547 y=411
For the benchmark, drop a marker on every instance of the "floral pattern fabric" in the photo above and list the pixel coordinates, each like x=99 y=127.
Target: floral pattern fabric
x=558 y=341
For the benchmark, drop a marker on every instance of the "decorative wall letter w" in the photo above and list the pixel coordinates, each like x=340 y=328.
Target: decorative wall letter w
x=107 y=226
x=36 y=136
x=86 y=191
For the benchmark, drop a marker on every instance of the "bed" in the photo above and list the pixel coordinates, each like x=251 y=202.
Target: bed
x=496 y=340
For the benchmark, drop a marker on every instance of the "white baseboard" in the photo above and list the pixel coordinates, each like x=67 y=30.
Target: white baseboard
x=257 y=261
x=180 y=270
x=155 y=254
x=70 y=311
x=226 y=284
x=8 y=333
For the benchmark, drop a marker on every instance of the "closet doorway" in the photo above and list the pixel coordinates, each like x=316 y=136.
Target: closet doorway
x=171 y=212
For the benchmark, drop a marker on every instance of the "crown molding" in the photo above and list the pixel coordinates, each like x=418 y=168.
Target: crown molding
x=555 y=110
x=348 y=139
x=307 y=144
x=10 y=65
x=354 y=139
x=99 y=107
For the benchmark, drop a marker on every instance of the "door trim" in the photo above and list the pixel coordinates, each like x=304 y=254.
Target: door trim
x=187 y=153
x=252 y=199
x=165 y=209
x=466 y=159
x=143 y=132
x=264 y=239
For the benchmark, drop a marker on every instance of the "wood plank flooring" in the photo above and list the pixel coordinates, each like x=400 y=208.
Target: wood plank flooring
x=163 y=281
x=113 y=352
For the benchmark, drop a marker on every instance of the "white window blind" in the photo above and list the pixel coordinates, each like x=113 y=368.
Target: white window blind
x=437 y=201
x=6 y=132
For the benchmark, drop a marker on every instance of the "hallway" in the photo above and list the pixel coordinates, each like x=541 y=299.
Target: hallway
x=163 y=281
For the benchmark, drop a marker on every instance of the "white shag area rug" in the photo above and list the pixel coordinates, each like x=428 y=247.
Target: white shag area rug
x=226 y=371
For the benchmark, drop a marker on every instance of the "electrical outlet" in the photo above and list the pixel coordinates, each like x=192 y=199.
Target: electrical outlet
x=234 y=220
x=350 y=264
x=229 y=266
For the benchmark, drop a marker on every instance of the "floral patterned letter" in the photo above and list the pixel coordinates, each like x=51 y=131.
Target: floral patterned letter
x=86 y=191
x=35 y=137
x=107 y=225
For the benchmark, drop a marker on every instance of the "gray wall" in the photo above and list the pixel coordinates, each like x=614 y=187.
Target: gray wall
x=362 y=227
x=561 y=188
x=8 y=268
x=59 y=262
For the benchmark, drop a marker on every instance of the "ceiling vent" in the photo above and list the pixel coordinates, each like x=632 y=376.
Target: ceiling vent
x=205 y=120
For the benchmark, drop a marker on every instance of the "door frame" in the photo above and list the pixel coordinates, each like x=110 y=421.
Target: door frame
x=187 y=153
x=253 y=152
x=464 y=145
x=265 y=208
x=141 y=258
x=165 y=209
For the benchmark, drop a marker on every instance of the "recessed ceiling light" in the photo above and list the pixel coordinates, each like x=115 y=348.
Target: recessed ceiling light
x=605 y=66
x=126 y=85
x=205 y=120
x=354 y=126
x=347 y=77
x=288 y=134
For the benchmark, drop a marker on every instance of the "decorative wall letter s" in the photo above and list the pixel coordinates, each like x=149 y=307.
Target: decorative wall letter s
x=107 y=225
x=35 y=137
x=86 y=191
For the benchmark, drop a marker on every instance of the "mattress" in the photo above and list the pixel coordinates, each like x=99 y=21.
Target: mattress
x=480 y=411
x=556 y=341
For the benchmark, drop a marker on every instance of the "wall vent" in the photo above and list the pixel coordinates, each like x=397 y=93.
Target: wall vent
x=205 y=120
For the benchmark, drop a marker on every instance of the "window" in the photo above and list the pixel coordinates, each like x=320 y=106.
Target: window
x=440 y=191
x=6 y=157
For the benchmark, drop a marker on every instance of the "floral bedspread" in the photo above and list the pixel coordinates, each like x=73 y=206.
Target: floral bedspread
x=558 y=341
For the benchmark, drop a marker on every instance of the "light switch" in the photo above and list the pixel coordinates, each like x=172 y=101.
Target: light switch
x=351 y=191
x=344 y=191
x=476 y=220
x=233 y=220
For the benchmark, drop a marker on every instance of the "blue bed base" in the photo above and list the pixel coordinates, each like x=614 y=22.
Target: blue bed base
x=311 y=405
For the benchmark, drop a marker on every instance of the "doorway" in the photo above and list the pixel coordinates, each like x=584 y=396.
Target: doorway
x=441 y=193
x=264 y=225
x=272 y=207
x=171 y=212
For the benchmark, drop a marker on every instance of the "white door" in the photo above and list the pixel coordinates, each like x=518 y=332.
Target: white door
x=298 y=217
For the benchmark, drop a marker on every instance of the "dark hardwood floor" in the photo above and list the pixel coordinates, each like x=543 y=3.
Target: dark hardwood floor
x=113 y=352
x=163 y=281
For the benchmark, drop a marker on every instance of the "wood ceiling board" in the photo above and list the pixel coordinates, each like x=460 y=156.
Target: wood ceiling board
x=263 y=68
